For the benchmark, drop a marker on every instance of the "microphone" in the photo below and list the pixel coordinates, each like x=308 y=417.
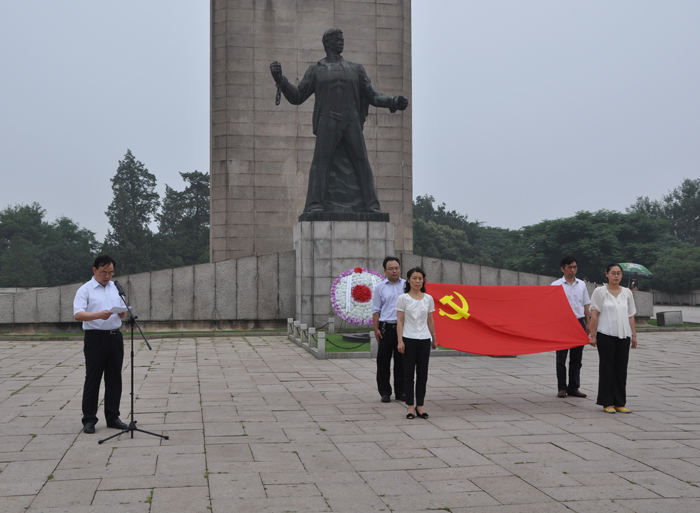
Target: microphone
x=119 y=288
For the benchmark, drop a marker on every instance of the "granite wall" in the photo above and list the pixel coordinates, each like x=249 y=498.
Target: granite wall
x=245 y=293
x=250 y=292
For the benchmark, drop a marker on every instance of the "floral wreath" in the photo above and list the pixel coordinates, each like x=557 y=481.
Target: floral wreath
x=351 y=295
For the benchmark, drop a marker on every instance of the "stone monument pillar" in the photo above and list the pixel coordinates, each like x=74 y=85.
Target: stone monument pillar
x=261 y=153
x=324 y=249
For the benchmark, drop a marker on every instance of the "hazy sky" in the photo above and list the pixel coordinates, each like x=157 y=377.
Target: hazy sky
x=522 y=110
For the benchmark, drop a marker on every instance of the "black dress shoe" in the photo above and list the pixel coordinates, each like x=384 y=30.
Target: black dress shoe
x=401 y=397
x=561 y=393
x=89 y=427
x=386 y=399
x=117 y=424
x=577 y=393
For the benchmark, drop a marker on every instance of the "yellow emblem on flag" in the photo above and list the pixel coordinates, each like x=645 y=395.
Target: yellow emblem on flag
x=461 y=311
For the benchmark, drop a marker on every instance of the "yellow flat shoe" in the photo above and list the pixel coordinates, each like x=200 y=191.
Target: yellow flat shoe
x=609 y=409
x=622 y=409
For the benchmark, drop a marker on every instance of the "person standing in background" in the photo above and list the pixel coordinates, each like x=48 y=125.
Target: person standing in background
x=384 y=323
x=577 y=294
x=613 y=331
x=416 y=333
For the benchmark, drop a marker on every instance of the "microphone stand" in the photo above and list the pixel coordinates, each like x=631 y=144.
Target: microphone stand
x=132 y=321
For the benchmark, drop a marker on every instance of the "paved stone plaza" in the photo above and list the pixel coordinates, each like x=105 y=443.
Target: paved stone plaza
x=258 y=424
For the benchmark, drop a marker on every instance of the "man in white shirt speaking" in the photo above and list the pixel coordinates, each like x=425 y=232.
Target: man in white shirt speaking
x=103 y=344
x=577 y=294
x=384 y=320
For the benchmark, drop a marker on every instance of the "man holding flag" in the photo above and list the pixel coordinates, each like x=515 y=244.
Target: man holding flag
x=577 y=294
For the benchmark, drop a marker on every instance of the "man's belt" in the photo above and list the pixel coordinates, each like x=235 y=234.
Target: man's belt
x=111 y=332
x=392 y=324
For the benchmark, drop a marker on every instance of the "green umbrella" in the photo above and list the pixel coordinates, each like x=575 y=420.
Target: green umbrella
x=636 y=270
x=629 y=269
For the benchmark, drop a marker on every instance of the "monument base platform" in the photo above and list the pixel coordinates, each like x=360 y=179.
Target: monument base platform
x=324 y=249
x=382 y=217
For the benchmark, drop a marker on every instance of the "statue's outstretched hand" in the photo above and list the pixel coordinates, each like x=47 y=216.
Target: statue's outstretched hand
x=276 y=70
x=402 y=103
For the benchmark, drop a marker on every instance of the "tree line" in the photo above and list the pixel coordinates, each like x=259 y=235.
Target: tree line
x=37 y=253
x=663 y=235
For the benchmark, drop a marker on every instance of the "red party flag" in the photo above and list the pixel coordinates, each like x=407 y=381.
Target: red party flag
x=504 y=320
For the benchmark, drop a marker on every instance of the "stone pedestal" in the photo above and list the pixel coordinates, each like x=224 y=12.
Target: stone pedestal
x=324 y=249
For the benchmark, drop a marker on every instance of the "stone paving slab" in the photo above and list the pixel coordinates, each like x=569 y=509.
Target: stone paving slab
x=258 y=424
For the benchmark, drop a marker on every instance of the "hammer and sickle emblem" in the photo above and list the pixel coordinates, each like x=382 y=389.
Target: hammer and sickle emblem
x=461 y=311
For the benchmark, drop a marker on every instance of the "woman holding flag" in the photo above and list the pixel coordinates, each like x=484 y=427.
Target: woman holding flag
x=415 y=329
x=612 y=330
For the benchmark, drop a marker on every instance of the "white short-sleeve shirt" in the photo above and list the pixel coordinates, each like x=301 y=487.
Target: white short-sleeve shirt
x=415 y=315
x=93 y=297
x=577 y=294
x=614 y=312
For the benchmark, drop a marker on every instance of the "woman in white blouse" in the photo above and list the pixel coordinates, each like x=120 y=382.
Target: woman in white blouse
x=415 y=329
x=612 y=329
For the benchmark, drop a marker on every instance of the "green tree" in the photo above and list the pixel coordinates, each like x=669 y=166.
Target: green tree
x=34 y=253
x=495 y=247
x=595 y=239
x=440 y=233
x=68 y=253
x=681 y=207
x=423 y=209
x=130 y=241
x=183 y=223
x=440 y=241
x=679 y=271
x=26 y=221
x=20 y=264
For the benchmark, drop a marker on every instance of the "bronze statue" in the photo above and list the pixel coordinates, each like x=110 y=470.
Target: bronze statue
x=340 y=179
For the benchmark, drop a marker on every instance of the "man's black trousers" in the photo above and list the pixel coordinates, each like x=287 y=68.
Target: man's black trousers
x=104 y=354
x=388 y=347
x=575 y=362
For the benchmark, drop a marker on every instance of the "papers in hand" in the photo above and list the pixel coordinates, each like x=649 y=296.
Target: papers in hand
x=117 y=309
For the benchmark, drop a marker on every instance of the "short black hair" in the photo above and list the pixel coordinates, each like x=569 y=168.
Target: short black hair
x=104 y=261
x=389 y=259
x=407 y=285
x=567 y=260
x=330 y=34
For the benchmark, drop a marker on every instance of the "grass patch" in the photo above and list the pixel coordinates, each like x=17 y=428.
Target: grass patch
x=336 y=344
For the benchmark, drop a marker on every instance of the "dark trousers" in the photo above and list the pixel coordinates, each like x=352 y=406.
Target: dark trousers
x=104 y=354
x=416 y=356
x=613 y=354
x=388 y=347
x=574 y=366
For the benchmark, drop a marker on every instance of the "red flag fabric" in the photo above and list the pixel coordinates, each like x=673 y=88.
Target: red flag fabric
x=504 y=320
